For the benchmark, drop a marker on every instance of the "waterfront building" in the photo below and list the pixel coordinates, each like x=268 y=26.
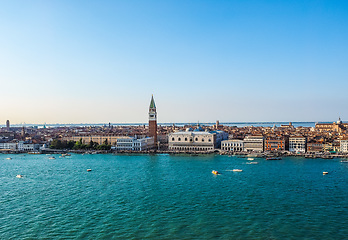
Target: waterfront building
x=196 y=140
x=143 y=144
x=153 y=120
x=314 y=146
x=27 y=147
x=124 y=144
x=336 y=146
x=8 y=146
x=328 y=147
x=254 y=143
x=344 y=145
x=276 y=144
x=233 y=145
x=297 y=144
x=134 y=144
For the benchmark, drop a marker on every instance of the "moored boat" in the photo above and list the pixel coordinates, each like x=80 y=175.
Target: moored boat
x=215 y=172
x=237 y=170
x=274 y=158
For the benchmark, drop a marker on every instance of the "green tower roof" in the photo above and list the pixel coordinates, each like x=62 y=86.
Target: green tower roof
x=152 y=104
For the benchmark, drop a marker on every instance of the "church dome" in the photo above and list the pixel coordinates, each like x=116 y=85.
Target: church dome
x=199 y=129
x=189 y=129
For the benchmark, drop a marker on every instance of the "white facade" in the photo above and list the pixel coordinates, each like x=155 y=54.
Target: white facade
x=9 y=145
x=254 y=143
x=297 y=144
x=220 y=136
x=143 y=144
x=124 y=143
x=20 y=146
x=196 y=140
x=233 y=145
x=191 y=141
x=133 y=144
x=344 y=145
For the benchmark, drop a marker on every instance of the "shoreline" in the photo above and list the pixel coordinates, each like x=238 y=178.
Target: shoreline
x=193 y=154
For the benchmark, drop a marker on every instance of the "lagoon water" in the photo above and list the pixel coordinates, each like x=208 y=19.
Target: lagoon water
x=171 y=197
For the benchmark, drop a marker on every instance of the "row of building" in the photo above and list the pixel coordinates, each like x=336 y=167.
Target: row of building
x=297 y=144
x=20 y=146
x=118 y=143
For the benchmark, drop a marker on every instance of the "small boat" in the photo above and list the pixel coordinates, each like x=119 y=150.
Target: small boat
x=324 y=173
x=215 y=172
x=19 y=176
x=51 y=158
x=274 y=158
x=250 y=159
x=252 y=163
x=344 y=161
x=237 y=170
x=8 y=158
x=89 y=170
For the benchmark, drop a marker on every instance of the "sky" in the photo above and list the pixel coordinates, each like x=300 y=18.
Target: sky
x=88 y=61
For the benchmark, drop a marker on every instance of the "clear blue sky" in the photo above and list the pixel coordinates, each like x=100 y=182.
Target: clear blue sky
x=100 y=61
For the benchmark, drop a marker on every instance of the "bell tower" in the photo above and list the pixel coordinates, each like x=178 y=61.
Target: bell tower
x=153 y=120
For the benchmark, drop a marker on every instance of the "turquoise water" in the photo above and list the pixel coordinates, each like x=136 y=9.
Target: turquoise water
x=171 y=197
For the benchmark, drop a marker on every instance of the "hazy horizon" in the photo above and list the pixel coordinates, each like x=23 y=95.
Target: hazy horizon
x=233 y=61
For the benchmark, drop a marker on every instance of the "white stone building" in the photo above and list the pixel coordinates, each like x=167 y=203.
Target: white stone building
x=134 y=144
x=233 y=145
x=344 y=145
x=143 y=144
x=20 y=146
x=254 y=143
x=297 y=144
x=197 y=140
x=8 y=145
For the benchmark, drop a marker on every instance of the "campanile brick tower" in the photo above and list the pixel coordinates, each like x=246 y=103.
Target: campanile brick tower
x=153 y=120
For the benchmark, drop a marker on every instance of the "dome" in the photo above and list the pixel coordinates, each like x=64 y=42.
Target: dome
x=199 y=129
x=189 y=129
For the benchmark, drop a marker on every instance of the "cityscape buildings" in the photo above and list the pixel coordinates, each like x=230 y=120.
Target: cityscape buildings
x=322 y=138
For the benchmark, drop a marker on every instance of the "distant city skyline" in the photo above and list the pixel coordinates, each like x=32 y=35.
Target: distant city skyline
x=233 y=61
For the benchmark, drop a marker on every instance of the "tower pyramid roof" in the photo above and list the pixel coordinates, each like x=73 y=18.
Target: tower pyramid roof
x=152 y=103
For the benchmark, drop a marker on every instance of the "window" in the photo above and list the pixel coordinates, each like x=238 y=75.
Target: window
x=209 y=140
x=186 y=139
x=202 y=139
x=196 y=139
x=179 y=139
x=172 y=139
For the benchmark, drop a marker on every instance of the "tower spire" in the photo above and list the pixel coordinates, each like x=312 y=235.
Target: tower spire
x=152 y=103
x=153 y=120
